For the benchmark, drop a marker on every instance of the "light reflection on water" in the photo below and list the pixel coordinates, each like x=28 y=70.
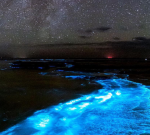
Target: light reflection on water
x=121 y=107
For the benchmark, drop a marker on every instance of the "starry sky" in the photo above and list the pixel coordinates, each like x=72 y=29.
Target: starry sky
x=36 y=22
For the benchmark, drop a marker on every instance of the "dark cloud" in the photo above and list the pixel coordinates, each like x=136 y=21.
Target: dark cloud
x=85 y=37
x=116 y=38
x=142 y=39
x=103 y=29
x=89 y=31
x=85 y=34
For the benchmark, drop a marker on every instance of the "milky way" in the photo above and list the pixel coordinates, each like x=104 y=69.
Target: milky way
x=72 y=21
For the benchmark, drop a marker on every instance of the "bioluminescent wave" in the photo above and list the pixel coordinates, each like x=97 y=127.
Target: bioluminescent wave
x=121 y=107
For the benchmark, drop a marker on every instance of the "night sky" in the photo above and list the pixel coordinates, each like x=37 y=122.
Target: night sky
x=36 y=22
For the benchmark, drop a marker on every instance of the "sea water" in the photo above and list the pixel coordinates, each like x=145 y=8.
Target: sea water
x=121 y=107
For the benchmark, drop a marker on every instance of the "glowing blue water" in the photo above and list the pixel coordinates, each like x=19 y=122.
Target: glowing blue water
x=121 y=107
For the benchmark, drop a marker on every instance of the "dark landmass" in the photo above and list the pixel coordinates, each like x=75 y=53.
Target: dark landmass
x=138 y=48
x=134 y=41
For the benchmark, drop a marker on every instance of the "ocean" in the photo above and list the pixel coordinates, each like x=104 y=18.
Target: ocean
x=70 y=97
